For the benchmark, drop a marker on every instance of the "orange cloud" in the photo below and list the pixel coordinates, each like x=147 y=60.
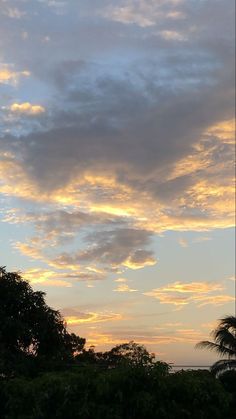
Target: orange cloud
x=92 y=318
x=28 y=250
x=223 y=131
x=108 y=339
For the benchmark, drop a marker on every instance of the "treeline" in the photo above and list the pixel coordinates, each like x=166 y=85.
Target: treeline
x=119 y=393
x=47 y=373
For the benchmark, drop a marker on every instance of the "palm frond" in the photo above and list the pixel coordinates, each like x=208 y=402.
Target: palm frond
x=224 y=337
x=223 y=365
x=229 y=322
x=220 y=349
x=224 y=344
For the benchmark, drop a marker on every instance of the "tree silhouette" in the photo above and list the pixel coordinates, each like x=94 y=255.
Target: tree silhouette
x=30 y=331
x=130 y=353
x=224 y=344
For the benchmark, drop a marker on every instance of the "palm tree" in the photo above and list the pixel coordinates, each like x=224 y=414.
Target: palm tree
x=224 y=344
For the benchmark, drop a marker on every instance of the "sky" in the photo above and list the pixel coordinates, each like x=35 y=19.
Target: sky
x=117 y=165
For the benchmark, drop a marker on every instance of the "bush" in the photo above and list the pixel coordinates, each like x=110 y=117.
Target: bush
x=118 y=393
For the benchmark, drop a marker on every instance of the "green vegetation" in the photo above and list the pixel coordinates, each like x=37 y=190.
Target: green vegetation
x=33 y=337
x=46 y=372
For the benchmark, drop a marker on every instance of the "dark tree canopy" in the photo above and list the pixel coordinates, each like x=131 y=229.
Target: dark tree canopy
x=29 y=329
x=130 y=353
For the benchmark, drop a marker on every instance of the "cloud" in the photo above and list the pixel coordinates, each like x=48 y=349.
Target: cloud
x=46 y=277
x=108 y=250
x=68 y=278
x=122 y=246
x=62 y=177
x=9 y=76
x=121 y=280
x=173 y=36
x=33 y=252
x=142 y=13
x=103 y=339
x=180 y=294
x=217 y=300
x=136 y=143
x=224 y=131
x=102 y=251
x=128 y=15
x=124 y=288
x=27 y=108
x=14 y=13
x=183 y=242
x=75 y=317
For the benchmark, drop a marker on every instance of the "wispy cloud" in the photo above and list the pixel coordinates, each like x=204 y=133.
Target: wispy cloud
x=180 y=294
x=73 y=317
x=183 y=242
x=14 y=12
x=124 y=288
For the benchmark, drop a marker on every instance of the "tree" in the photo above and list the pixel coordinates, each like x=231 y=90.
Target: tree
x=30 y=331
x=224 y=344
x=130 y=353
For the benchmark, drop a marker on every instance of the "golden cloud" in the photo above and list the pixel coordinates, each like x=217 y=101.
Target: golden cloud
x=121 y=280
x=207 y=202
x=108 y=339
x=181 y=294
x=92 y=318
x=213 y=201
x=45 y=277
x=8 y=76
x=217 y=300
x=124 y=288
x=28 y=250
x=223 y=131
x=14 y=180
x=135 y=264
x=27 y=108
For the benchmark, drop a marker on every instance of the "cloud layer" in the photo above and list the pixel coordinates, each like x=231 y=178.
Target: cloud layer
x=116 y=128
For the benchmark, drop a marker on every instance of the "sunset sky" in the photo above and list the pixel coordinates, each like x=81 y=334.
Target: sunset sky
x=117 y=165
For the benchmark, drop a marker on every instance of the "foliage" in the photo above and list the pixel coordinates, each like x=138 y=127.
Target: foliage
x=32 y=335
x=224 y=344
x=118 y=393
x=129 y=353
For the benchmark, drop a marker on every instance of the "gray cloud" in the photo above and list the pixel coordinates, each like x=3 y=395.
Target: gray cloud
x=113 y=248
x=125 y=113
x=63 y=225
x=124 y=131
